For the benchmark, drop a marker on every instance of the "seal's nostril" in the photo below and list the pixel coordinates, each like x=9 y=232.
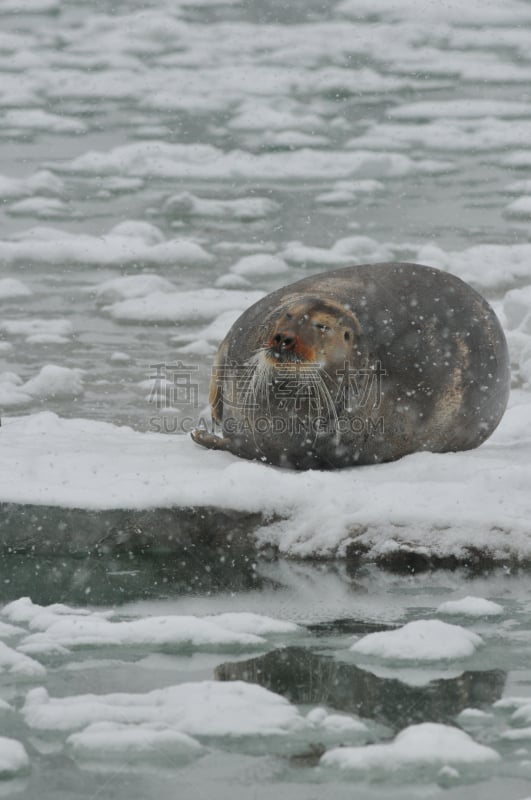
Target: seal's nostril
x=284 y=340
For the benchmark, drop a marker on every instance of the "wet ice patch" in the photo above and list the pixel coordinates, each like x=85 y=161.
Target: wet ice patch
x=51 y=382
x=232 y=281
x=18 y=665
x=520 y=159
x=467 y=108
x=341 y=254
x=197 y=347
x=270 y=118
x=519 y=708
x=172 y=161
x=134 y=243
x=474 y=719
x=120 y=358
x=246 y=622
x=454 y=135
x=451 y=12
x=244 y=209
x=337 y=723
x=11 y=288
x=130 y=286
x=195 y=305
x=349 y=192
x=7 y=630
x=470 y=607
x=517 y=309
x=427 y=748
x=218 y=328
x=42 y=207
x=129 y=744
x=181 y=633
x=39 y=617
x=519 y=718
x=13 y=758
x=259 y=265
x=519 y=187
x=488 y=267
x=35 y=119
x=11 y=393
x=55 y=382
x=30 y=6
x=43 y=182
x=519 y=209
x=39 y=331
x=422 y=640
x=287 y=139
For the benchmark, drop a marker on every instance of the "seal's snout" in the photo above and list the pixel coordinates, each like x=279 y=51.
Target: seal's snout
x=285 y=340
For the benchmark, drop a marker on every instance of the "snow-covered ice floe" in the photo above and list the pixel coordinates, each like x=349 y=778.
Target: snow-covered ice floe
x=178 y=721
x=421 y=640
x=429 y=748
x=426 y=508
x=57 y=628
x=184 y=720
x=130 y=242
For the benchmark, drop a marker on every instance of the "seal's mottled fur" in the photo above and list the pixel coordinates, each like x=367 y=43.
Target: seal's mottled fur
x=358 y=366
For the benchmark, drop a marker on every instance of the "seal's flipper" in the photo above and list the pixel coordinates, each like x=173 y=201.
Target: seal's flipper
x=209 y=440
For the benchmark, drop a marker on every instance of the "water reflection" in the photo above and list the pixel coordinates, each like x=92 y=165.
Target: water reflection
x=311 y=678
x=111 y=580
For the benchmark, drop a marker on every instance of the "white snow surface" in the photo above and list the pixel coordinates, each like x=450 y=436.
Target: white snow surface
x=437 y=504
x=471 y=607
x=421 y=640
x=428 y=744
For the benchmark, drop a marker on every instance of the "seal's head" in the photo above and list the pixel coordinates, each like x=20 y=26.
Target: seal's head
x=312 y=331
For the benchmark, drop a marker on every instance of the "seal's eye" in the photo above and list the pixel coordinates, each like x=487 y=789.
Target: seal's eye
x=347 y=336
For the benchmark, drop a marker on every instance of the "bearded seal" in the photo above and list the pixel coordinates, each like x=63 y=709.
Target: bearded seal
x=358 y=366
